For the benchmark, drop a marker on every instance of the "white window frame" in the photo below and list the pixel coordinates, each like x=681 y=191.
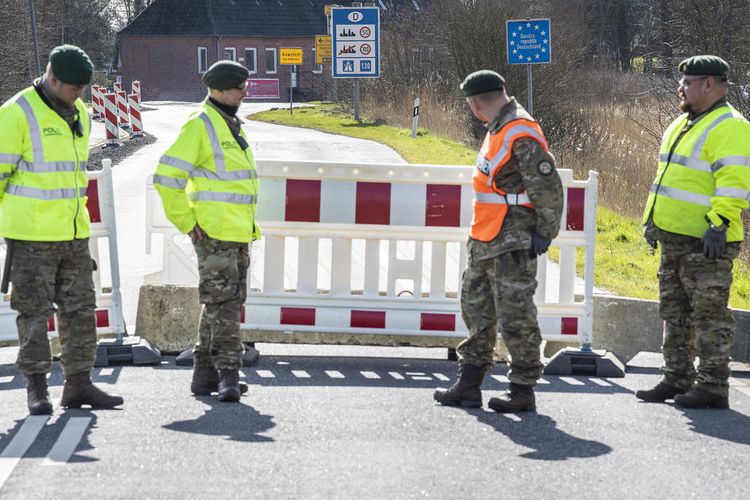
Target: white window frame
x=234 y=53
x=255 y=59
x=316 y=68
x=205 y=53
x=275 y=61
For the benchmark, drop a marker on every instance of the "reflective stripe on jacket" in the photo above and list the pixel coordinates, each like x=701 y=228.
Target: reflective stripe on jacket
x=702 y=174
x=206 y=178
x=43 y=178
x=491 y=203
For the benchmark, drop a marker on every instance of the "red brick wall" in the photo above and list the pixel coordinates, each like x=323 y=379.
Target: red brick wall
x=168 y=66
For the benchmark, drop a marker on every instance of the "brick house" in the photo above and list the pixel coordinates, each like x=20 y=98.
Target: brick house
x=172 y=42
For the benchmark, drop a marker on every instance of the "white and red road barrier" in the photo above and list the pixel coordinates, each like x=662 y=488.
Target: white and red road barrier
x=110 y=120
x=117 y=86
x=134 y=103
x=123 y=115
x=103 y=248
x=136 y=88
x=95 y=114
x=378 y=249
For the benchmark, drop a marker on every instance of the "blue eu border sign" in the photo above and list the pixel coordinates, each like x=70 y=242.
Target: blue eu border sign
x=355 y=42
x=529 y=41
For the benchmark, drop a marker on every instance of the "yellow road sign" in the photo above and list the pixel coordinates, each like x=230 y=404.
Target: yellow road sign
x=290 y=56
x=327 y=9
x=322 y=49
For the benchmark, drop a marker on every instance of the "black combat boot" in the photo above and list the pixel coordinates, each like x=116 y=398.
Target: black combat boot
x=660 y=393
x=465 y=392
x=37 y=395
x=518 y=398
x=206 y=381
x=700 y=398
x=229 y=386
x=79 y=390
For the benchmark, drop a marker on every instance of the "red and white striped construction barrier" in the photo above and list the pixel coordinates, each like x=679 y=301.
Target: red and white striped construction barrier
x=123 y=116
x=110 y=120
x=390 y=239
x=117 y=86
x=95 y=115
x=109 y=317
x=136 y=88
x=135 y=115
x=99 y=102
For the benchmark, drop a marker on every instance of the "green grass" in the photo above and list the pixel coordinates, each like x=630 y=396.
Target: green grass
x=623 y=263
x=425 y=148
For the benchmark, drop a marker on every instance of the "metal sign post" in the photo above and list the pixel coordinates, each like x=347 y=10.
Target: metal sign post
x=291 y=57
x=355 y=45
x=529 y=42
x=415 y=119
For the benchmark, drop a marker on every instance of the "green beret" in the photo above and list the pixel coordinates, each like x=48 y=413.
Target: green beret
x=223 y=75
x=71 y=65
x=704 y=66
x=482 y=81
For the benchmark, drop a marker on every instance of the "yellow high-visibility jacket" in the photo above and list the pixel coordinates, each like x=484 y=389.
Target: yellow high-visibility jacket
x=43 y=178
x=206 y=178
x=703 y=175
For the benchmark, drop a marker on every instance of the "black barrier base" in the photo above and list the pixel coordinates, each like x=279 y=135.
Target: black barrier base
x=131 y=350
x=570 y=361
x=249 y=357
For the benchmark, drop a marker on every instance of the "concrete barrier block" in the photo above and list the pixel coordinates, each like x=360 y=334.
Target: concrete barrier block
x=168 y=316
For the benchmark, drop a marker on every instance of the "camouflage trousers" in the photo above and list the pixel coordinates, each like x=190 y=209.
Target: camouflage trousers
x=222 y=267
x=499 y=292
x=46 y=274
x=693 y=302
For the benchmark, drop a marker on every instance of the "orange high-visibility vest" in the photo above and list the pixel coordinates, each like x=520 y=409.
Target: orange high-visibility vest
x=490 y=202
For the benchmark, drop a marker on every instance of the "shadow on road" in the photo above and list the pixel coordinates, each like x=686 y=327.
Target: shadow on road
x=43 y=443
x=540 y=433
x=235 y=421
x=728 y=425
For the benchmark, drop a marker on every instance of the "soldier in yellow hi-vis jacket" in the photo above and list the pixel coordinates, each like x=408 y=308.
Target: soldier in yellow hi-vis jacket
x=43 y=217
x=694 y=211
x=209 y=188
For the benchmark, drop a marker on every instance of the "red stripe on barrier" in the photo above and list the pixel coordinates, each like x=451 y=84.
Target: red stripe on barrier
x=569 y=326
x=373 y=203
x=576 y=209
x=102 y=318
x=92 y=192
x=432 y=321
x=51 y=324
x=297 y=316
x=368 y=319
x=302 y=201
x=443 y=205
x=242 y=314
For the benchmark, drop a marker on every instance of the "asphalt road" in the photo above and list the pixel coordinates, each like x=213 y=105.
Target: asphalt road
x=353 y=422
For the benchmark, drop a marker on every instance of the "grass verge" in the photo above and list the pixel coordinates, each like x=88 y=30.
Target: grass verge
x=623 y=263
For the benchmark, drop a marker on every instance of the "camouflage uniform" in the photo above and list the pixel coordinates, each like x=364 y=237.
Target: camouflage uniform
x=222 y=266
x=45 y=274
x=693 y=298
x=500 y=280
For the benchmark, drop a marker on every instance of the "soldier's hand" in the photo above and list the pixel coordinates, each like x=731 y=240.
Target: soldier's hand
x=539 y=245
x=197 y=234
x=715 y=242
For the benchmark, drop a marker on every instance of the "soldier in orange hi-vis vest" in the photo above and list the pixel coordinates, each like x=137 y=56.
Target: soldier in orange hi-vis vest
x=518 y=201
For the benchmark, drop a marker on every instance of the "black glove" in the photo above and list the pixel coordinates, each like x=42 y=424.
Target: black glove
x=539 y=245
x=715 y=242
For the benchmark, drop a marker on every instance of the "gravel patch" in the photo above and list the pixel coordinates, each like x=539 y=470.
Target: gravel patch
x=117 y=154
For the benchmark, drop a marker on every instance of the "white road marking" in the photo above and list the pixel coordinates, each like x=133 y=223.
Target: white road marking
x=300 y=374
x=334 y=374
x=440 y=376
x=600 y=381
x=417 y=377
x=396 y=375
x=106 y=372
x=501 y=378
x=19 y=445
x=414 y=373
x=7 y=380
x=370 y=375
x=572 y=381
x=265 y=373
x=744 y=390
x=733 y=382
x=542 y=381
x=67 y=442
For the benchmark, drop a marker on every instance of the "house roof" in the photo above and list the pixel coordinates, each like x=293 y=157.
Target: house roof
x=240 y=17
